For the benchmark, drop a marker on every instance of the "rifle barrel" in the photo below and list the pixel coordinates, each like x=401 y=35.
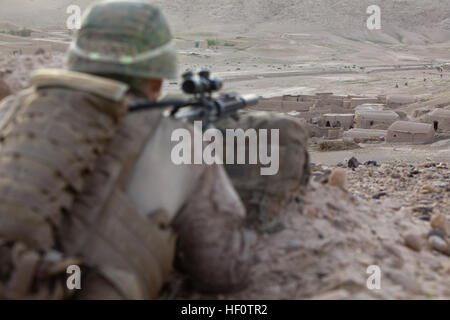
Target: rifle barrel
x=157 y=105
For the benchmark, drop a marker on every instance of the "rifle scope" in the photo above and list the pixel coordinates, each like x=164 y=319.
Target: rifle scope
x=200 y=84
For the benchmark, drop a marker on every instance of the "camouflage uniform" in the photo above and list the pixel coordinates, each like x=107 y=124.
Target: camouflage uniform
x=83 y=182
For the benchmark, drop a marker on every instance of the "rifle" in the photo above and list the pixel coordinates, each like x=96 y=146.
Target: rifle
x=203 y=106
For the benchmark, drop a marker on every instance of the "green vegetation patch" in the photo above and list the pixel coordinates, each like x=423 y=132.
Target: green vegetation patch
x=212 y=42
x=24 y=32
x=229 y=44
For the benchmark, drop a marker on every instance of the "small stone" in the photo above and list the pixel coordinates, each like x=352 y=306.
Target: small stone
x=379 y=195
x=293 y=244
x=437 y=233
x=441 y=184
x=53 y=256
x=406 y=280
x=392 y=204
x=413 y=241
x=439 y=244
x=439 y=222
x=353 y=163
x=274 y=290
x=338 y=178
x=429 y=277
x=39 y=51
x=427 y=189
x=261 y=255
x=441 y=166
x=395 y=176
x=322 y=177
x=423 y=210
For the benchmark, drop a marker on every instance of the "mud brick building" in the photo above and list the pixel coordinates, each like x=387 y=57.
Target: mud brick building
x=375 y=119
x=410 y=132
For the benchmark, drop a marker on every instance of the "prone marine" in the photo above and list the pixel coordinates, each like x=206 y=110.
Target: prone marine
x=84 y=182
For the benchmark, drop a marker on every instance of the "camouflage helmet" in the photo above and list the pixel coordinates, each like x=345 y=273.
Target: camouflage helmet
x=128 y=38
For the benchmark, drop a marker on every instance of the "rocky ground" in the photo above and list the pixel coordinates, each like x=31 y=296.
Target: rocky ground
x=15 y=71
x=422 y=189
x=394 y=216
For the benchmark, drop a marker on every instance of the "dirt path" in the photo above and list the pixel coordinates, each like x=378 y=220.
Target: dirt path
x=384 y=153
x=367 y=69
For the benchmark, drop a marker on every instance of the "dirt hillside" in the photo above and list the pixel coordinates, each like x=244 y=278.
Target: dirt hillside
x=407 y=21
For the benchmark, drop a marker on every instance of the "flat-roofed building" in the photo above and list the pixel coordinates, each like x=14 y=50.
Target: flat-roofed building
x=338 y=120
x=367 y=119
x=440 y=119
x=410 y=132
x=397 y=100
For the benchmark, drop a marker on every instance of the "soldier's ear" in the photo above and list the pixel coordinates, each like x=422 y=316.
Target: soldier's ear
x=151 y=88
x=156 y=84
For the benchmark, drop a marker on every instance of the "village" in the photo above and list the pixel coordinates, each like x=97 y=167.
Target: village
x=362 y=119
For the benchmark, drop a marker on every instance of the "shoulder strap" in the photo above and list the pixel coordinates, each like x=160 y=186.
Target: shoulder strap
x=106 y=88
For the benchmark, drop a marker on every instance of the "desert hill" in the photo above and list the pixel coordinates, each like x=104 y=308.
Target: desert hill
x=405 y=21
